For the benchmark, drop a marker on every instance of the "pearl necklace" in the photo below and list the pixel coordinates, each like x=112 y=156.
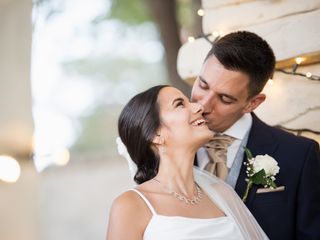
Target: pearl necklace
x=195 y=200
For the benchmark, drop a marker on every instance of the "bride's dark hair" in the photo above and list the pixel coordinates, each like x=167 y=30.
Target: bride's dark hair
x=137 y=125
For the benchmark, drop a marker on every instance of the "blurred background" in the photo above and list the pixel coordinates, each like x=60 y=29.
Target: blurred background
x=68 y=67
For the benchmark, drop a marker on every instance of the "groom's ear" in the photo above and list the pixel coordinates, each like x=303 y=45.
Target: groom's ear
x=254 y=102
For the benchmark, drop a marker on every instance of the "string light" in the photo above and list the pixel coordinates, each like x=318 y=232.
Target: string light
x=218 y=33
x=299 y=60
x=9 y=169
x=215 y=33
x=200 y=12
x=191 y=39
x=62 y=158
x=307 y=75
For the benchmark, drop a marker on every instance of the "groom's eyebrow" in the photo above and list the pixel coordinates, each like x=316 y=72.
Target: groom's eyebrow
x=229 y=96
x=221 y=94
x=203 y=80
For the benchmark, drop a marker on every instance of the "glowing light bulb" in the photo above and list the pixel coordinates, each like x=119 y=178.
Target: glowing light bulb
x=9 y=169
x=62 y=158
x=299 y=60
x=215 y=34
x=308 y=74
x=200 y=12
x=191 y=39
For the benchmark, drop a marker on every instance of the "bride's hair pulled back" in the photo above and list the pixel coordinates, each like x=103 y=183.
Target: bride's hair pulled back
x=137 y=125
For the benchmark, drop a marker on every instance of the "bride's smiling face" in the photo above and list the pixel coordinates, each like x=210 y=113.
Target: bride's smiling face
x=182 y=123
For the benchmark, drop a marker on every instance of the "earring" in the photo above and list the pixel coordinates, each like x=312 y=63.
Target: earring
x=162 y=149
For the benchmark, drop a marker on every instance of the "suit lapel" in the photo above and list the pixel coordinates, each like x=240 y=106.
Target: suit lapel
x=260 y=142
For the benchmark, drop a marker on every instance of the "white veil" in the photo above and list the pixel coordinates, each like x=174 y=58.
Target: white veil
x=221 y=194
x=228 y=201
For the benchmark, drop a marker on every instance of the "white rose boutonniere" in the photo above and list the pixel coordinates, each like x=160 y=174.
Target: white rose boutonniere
x=261 y=170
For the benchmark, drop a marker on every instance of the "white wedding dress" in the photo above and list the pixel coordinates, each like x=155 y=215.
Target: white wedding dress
x=163 y=227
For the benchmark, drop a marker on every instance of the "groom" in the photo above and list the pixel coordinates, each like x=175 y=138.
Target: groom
x=229 y=87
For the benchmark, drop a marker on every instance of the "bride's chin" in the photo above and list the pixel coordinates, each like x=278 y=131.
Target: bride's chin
x=202 y=141
x=207 y=136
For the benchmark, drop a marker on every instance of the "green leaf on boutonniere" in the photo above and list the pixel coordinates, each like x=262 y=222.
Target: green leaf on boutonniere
x=259 y=177
x=248 y=153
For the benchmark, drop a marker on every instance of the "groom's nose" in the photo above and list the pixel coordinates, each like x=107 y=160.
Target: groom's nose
x=208 y=102
x=197 y=107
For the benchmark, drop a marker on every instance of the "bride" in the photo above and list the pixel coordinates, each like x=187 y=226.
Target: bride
x=162 y=131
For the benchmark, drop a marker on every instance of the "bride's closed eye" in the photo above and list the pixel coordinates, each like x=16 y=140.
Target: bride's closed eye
x=179 y=102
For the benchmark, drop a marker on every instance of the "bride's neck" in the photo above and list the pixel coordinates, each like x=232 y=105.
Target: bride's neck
x=176 y=171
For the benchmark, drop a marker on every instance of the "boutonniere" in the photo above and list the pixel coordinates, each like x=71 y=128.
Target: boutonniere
x=261 y=170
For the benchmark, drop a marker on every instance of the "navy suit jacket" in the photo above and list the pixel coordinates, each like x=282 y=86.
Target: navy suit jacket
x=295 y=212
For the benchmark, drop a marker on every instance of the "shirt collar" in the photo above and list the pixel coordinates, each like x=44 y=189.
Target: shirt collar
x=239 y=129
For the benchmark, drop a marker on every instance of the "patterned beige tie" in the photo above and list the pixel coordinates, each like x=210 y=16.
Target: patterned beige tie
x=217 y=150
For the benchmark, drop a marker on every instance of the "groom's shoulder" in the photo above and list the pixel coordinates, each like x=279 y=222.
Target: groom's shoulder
x=284 y=136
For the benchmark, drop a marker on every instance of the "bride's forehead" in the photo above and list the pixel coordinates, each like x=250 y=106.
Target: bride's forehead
x=168 y=94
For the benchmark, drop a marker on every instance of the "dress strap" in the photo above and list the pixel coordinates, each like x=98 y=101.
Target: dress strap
x=145 y=200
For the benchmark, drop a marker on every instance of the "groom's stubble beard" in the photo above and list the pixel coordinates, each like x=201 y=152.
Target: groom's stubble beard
x=219 y=126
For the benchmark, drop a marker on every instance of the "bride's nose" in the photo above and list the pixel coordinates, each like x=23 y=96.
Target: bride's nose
x=196 y=107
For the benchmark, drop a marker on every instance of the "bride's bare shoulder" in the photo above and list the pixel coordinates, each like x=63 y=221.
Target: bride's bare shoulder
x=128 y=208
x=128 y=202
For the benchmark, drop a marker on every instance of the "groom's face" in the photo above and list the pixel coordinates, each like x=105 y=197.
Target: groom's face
x=223 y=93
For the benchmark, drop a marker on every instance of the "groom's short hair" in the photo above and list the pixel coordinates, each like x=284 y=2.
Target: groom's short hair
x=248 y=53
